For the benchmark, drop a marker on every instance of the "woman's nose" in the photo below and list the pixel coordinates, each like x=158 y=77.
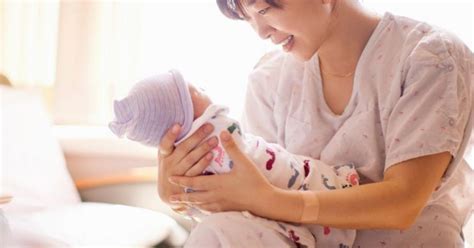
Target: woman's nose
x=263 y=29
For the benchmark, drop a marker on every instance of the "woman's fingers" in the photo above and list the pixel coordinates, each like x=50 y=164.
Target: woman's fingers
x=179 y=208
x=193 y=198
x=196 y=155
x=167 y=143
x=191 y=142
x=198 y=168
x=210 y=207
x=233 y=150
x=199 y=183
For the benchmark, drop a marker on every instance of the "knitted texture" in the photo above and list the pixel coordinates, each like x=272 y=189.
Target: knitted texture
x=152 y=107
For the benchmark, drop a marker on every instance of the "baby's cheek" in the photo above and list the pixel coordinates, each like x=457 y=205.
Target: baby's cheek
x=200 y=106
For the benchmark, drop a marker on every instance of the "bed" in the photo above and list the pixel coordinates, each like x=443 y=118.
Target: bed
x=41 y=206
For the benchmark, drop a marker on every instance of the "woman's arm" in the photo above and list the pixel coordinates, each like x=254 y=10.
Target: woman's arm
x=393 y=203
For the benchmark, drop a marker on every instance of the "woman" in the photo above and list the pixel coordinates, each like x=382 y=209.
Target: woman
x=389 y=94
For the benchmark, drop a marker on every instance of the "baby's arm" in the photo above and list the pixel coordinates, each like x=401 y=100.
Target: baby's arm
x=282 y=168
x=289 y=171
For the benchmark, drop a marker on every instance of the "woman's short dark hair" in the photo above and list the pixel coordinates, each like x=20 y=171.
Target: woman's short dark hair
x=238 y=12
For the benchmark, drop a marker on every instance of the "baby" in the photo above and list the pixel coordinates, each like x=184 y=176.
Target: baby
x=155 y=104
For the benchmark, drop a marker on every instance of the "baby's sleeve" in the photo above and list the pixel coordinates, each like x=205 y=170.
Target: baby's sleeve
x=433 y=113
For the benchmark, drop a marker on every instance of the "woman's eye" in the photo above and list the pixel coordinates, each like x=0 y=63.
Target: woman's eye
x=263 y=11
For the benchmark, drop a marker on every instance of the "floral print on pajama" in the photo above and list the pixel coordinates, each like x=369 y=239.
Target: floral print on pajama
x=282 y=169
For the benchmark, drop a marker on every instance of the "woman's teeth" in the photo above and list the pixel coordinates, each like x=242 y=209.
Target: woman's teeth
x=287 y=40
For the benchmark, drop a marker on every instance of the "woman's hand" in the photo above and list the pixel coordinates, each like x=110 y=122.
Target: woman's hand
x=241 y=189
x=189 y=158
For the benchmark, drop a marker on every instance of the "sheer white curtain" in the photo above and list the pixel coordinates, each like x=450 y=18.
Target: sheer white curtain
x=97 y=52
x=94 y=51
x=28 y=41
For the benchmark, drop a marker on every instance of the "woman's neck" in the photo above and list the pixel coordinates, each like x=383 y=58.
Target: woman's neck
x=350 y=32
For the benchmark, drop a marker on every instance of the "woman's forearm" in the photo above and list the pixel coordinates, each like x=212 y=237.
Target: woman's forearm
x=393 y=203
x=378 y=205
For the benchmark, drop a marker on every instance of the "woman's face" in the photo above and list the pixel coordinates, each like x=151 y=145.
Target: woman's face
x=299 y=26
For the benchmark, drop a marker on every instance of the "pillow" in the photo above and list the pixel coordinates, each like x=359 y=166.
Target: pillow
x=95 y=224
x=33 y=168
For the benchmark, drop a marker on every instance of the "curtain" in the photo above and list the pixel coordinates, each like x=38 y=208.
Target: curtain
x=28 y=41
x=97 y=54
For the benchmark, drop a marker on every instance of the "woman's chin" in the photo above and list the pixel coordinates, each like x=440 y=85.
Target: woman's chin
x=302 y=55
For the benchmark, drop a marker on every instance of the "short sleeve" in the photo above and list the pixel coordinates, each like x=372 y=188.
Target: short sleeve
x=433 y=113
x=258 y=118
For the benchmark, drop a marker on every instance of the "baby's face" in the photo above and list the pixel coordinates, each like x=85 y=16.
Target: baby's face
x=200 y=100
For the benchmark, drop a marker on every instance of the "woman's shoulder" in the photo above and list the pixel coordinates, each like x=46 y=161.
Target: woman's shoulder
x=270 y=59
x=426 y=42
x=276 y=61
x=271 y=67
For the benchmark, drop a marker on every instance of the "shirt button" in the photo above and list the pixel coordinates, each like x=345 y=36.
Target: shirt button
x=451 y=122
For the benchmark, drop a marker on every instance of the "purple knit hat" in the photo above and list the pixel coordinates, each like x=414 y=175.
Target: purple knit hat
x=152 y=107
